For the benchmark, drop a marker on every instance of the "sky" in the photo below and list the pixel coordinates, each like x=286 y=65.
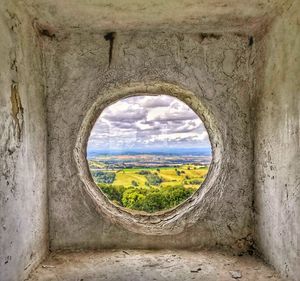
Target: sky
x=148 y=122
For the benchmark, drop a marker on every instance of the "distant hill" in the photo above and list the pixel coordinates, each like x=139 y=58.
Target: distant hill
x=201 y=151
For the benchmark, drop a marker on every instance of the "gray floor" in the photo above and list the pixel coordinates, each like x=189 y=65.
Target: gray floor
x=152 y=265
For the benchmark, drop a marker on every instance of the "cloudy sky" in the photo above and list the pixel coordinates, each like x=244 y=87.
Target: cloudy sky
x=148 y=122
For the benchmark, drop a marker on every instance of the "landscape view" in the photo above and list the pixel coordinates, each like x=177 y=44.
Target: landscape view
x=148 y=153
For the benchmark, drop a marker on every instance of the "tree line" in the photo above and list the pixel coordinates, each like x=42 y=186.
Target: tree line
x=150 y=199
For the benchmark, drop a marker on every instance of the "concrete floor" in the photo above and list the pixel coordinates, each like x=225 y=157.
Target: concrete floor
x=135 y=265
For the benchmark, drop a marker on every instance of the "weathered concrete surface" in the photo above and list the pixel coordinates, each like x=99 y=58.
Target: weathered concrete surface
x=167 y=222
x=218 y=69
x=277 y=147
x=152 y=265
x=202 y=46
x=173 y=15
x=23 y=207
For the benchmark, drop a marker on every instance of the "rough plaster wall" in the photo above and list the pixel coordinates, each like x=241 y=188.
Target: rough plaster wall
x=23 y=216
x=176 y=15
x=277 y=147
x=217 y=68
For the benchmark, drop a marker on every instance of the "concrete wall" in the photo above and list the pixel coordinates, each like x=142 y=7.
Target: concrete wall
x=277 y=147
x=218 y=69
x=23 y=216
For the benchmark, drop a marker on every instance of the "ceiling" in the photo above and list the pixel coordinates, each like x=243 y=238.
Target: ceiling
x=178 y=15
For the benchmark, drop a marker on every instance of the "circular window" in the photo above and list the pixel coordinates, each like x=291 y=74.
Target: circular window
x=142 y=153
x=148 y=153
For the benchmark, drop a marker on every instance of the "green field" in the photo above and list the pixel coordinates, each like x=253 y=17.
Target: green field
x=185 y=175
x=148 y=189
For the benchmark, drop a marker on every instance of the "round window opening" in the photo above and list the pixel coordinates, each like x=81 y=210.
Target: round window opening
x=148 y=153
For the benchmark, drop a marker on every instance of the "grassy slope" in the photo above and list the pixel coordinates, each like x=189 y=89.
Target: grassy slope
x=95 y=164
x=126 y=176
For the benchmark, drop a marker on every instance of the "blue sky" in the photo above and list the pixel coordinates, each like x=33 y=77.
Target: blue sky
x=144 y=122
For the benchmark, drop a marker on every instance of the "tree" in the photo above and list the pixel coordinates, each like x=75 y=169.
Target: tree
x=134 y=183
x=144 y=172
x=153 y=179
x=113 y=192
x=133 y=198
x=195 y=181
x=151 y=199
x=103 y=177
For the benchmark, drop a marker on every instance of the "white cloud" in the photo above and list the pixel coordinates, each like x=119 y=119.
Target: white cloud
x=144 y=121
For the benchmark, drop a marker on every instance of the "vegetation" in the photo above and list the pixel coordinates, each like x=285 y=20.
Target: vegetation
x=147 y=199
x=103 y=177
x=153 y=179
x=166 y=176
x=149 y=189
x=134 y=183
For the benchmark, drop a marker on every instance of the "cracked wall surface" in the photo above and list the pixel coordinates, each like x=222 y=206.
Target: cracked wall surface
x=217 y=68
x=23 y=222
x=277 y=147
x=240 y=16
x=239 y=57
